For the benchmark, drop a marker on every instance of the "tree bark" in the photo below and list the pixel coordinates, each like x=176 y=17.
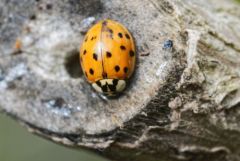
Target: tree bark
x=181 y=104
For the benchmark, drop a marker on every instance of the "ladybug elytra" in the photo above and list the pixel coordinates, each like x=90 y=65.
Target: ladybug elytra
x=107 y=57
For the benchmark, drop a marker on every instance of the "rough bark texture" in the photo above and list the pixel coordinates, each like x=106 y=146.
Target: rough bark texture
x=182 y=103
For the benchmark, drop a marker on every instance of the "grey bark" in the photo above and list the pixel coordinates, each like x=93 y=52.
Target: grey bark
x=182 y=103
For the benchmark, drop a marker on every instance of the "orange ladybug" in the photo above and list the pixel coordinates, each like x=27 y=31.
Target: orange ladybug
x=107 y=57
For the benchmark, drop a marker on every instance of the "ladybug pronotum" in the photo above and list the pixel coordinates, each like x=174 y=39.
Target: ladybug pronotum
x=107 y=57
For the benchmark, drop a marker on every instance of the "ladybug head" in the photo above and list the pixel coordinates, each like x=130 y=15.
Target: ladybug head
x=109 y=87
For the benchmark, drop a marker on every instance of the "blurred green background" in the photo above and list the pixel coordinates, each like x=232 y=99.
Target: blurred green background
x=16 y=144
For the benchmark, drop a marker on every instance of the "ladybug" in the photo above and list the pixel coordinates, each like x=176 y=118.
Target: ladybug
x=107 y=57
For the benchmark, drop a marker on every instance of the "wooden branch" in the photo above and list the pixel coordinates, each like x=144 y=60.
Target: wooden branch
x=182 y=103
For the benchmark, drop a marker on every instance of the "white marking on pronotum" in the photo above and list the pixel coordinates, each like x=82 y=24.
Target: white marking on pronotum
x=121 y=85
x=97 y=88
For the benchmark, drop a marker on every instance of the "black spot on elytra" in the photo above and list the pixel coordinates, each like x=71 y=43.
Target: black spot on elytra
x=91 y=71
x=120 y=35
x=86 y=39
x=131 y=53
x=95 y=56
x=125 y=69
x=109 y=55
x=117 y=68
x=127 y=36
x=122 y=47
x=93 y=38
x=84 y=52
x=110 y=30
x=86 y=74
